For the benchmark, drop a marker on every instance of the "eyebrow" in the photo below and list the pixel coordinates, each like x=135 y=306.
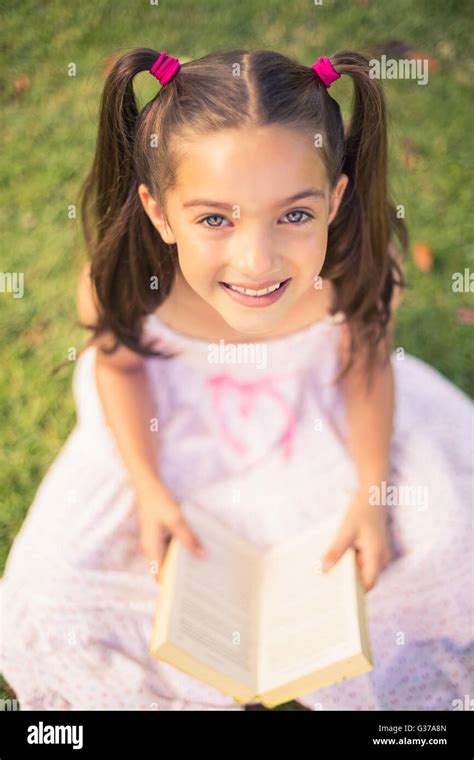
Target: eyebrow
x=309 y=193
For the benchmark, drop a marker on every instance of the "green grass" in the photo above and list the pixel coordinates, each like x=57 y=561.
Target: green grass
x=48 y=141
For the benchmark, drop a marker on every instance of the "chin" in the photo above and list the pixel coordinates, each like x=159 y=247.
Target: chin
x=254 y=328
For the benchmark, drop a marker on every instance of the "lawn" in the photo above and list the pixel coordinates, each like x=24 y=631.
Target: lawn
x=49 y=129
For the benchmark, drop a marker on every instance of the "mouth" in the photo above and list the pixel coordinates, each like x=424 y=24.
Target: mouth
x=251 y=297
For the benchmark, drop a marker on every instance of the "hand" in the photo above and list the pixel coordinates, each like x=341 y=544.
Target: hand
x=365 y=527
x=160 y=518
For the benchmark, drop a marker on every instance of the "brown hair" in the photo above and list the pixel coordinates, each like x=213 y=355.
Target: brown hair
x=134 y=147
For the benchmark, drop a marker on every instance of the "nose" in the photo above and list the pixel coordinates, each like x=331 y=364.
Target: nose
x=257 y=258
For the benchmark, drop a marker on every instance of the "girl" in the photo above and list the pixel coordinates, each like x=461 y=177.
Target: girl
x=232 y=221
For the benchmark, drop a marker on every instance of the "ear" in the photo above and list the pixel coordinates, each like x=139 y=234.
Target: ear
x=156 y=214
x=336 y=196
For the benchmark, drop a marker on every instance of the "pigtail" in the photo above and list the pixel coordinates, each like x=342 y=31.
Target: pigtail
x=126 y=252
x=363 y=258
x=124 y=249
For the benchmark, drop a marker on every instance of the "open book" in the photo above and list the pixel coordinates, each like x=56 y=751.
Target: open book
x=261 y=625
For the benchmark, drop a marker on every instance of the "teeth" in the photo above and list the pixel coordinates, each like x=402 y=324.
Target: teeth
x=249 y=292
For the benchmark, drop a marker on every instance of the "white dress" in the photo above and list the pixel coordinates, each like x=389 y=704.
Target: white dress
x=256 y=440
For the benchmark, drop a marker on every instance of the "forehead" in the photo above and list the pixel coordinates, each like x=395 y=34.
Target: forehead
x=271 y=162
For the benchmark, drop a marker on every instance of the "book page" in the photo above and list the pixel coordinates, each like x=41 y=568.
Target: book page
x=214 y=610
x=309 y=619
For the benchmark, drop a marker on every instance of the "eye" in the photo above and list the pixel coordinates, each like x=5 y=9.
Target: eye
x=299 y=223
x=212 y=226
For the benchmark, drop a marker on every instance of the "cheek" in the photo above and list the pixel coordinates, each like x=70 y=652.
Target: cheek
x=199 y=263
x=321 y=238
x=311 y=250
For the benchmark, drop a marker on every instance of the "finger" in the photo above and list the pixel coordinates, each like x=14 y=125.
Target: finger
x=343 y=540
x=370 y=567
x=162 y=551
x=148 y=548
x=184 y=533
x=153 y=547
x=386 y=559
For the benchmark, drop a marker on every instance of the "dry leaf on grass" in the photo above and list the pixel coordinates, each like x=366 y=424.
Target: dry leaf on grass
x=422 y=255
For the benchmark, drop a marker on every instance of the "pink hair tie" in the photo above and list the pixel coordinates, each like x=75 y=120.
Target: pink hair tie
x=325 y=71
x=165 y=67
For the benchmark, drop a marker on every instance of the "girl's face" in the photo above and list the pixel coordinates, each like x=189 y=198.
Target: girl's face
x=251 y=208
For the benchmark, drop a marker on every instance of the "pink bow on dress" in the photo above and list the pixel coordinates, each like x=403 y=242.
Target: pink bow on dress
x=250 y=390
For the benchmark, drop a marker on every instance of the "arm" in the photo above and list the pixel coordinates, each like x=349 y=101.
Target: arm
x=370 y=414
x=123 y=390
x=122 y=384
x=370 y=422
x=364 y=525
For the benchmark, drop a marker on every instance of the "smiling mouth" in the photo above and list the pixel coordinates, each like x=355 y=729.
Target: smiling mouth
x=255 y=293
